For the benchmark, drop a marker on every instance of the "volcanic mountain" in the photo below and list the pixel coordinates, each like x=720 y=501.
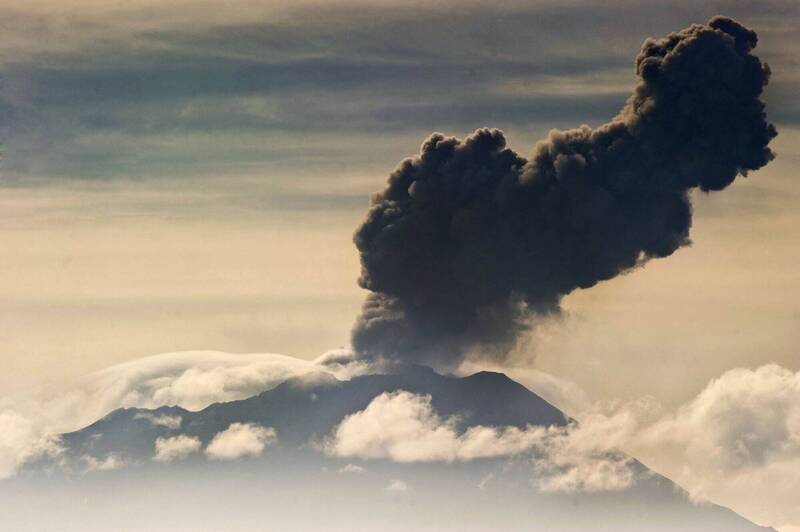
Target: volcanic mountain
x=108 y=468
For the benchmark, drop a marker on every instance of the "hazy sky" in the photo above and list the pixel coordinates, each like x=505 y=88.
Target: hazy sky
x=189 y=177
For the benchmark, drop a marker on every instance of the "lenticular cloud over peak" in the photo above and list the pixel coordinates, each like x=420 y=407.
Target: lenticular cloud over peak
x=469 y=240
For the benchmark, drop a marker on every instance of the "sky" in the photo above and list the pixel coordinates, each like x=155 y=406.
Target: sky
x=189 y=177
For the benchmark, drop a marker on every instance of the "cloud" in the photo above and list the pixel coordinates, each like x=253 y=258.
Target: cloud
x=109 y=463
x=397 y=486
x=308 y=72
x=562 y=472
x=21 y=441
x=193 y=379
x=163 y=420
x=346 y=364
x=403 y=427
x=400 y=426
x=736 y=443
x=739 y=436
x=240 y=439
x=228 y=78
x=352 y=469
x=175 y=447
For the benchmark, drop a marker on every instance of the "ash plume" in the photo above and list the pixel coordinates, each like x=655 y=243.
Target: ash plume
x=469 y=241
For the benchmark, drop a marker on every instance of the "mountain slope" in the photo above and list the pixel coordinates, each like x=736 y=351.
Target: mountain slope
x=302 y=408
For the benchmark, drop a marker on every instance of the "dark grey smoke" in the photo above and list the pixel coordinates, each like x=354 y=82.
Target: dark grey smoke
x=469 y=240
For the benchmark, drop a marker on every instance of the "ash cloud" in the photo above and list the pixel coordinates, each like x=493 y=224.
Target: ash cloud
x=469 y=242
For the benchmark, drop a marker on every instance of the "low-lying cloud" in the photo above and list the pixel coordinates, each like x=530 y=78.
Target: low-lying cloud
x=736 y=443
x=403 y=427
x=175 y=447
x=109 y=462
x=240 y=440
x=22 y=440
x=162 y=420
x=397 y=486
x=738 y=437
x=352 y=469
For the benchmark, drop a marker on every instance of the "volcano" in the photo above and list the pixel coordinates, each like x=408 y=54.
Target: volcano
x=294 y=485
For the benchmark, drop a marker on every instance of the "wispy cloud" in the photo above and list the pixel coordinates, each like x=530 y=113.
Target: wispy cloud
x=109 y=462
x=160 y=420
x=350 y=469
x=397 y=486
x=142 y=96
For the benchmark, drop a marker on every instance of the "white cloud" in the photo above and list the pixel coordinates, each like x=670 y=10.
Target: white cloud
x=175 y=448
x=400 y=426
x=737 y=443
x=163 y=420
x=352 y=469
x=397 y=486
x=109 y=463
x=21 y=441
x=194 y=379
x=562 y=472
x=403 y=427
x=240 y=439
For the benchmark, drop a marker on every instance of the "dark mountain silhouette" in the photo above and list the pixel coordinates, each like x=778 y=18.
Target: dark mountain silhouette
x=308 y=407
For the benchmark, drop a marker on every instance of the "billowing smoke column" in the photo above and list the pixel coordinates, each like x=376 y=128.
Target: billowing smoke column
x=469 y=240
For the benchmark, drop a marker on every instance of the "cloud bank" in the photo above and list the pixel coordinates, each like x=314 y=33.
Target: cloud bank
x=403 y=427
x=737 y=443
x=469 y=239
